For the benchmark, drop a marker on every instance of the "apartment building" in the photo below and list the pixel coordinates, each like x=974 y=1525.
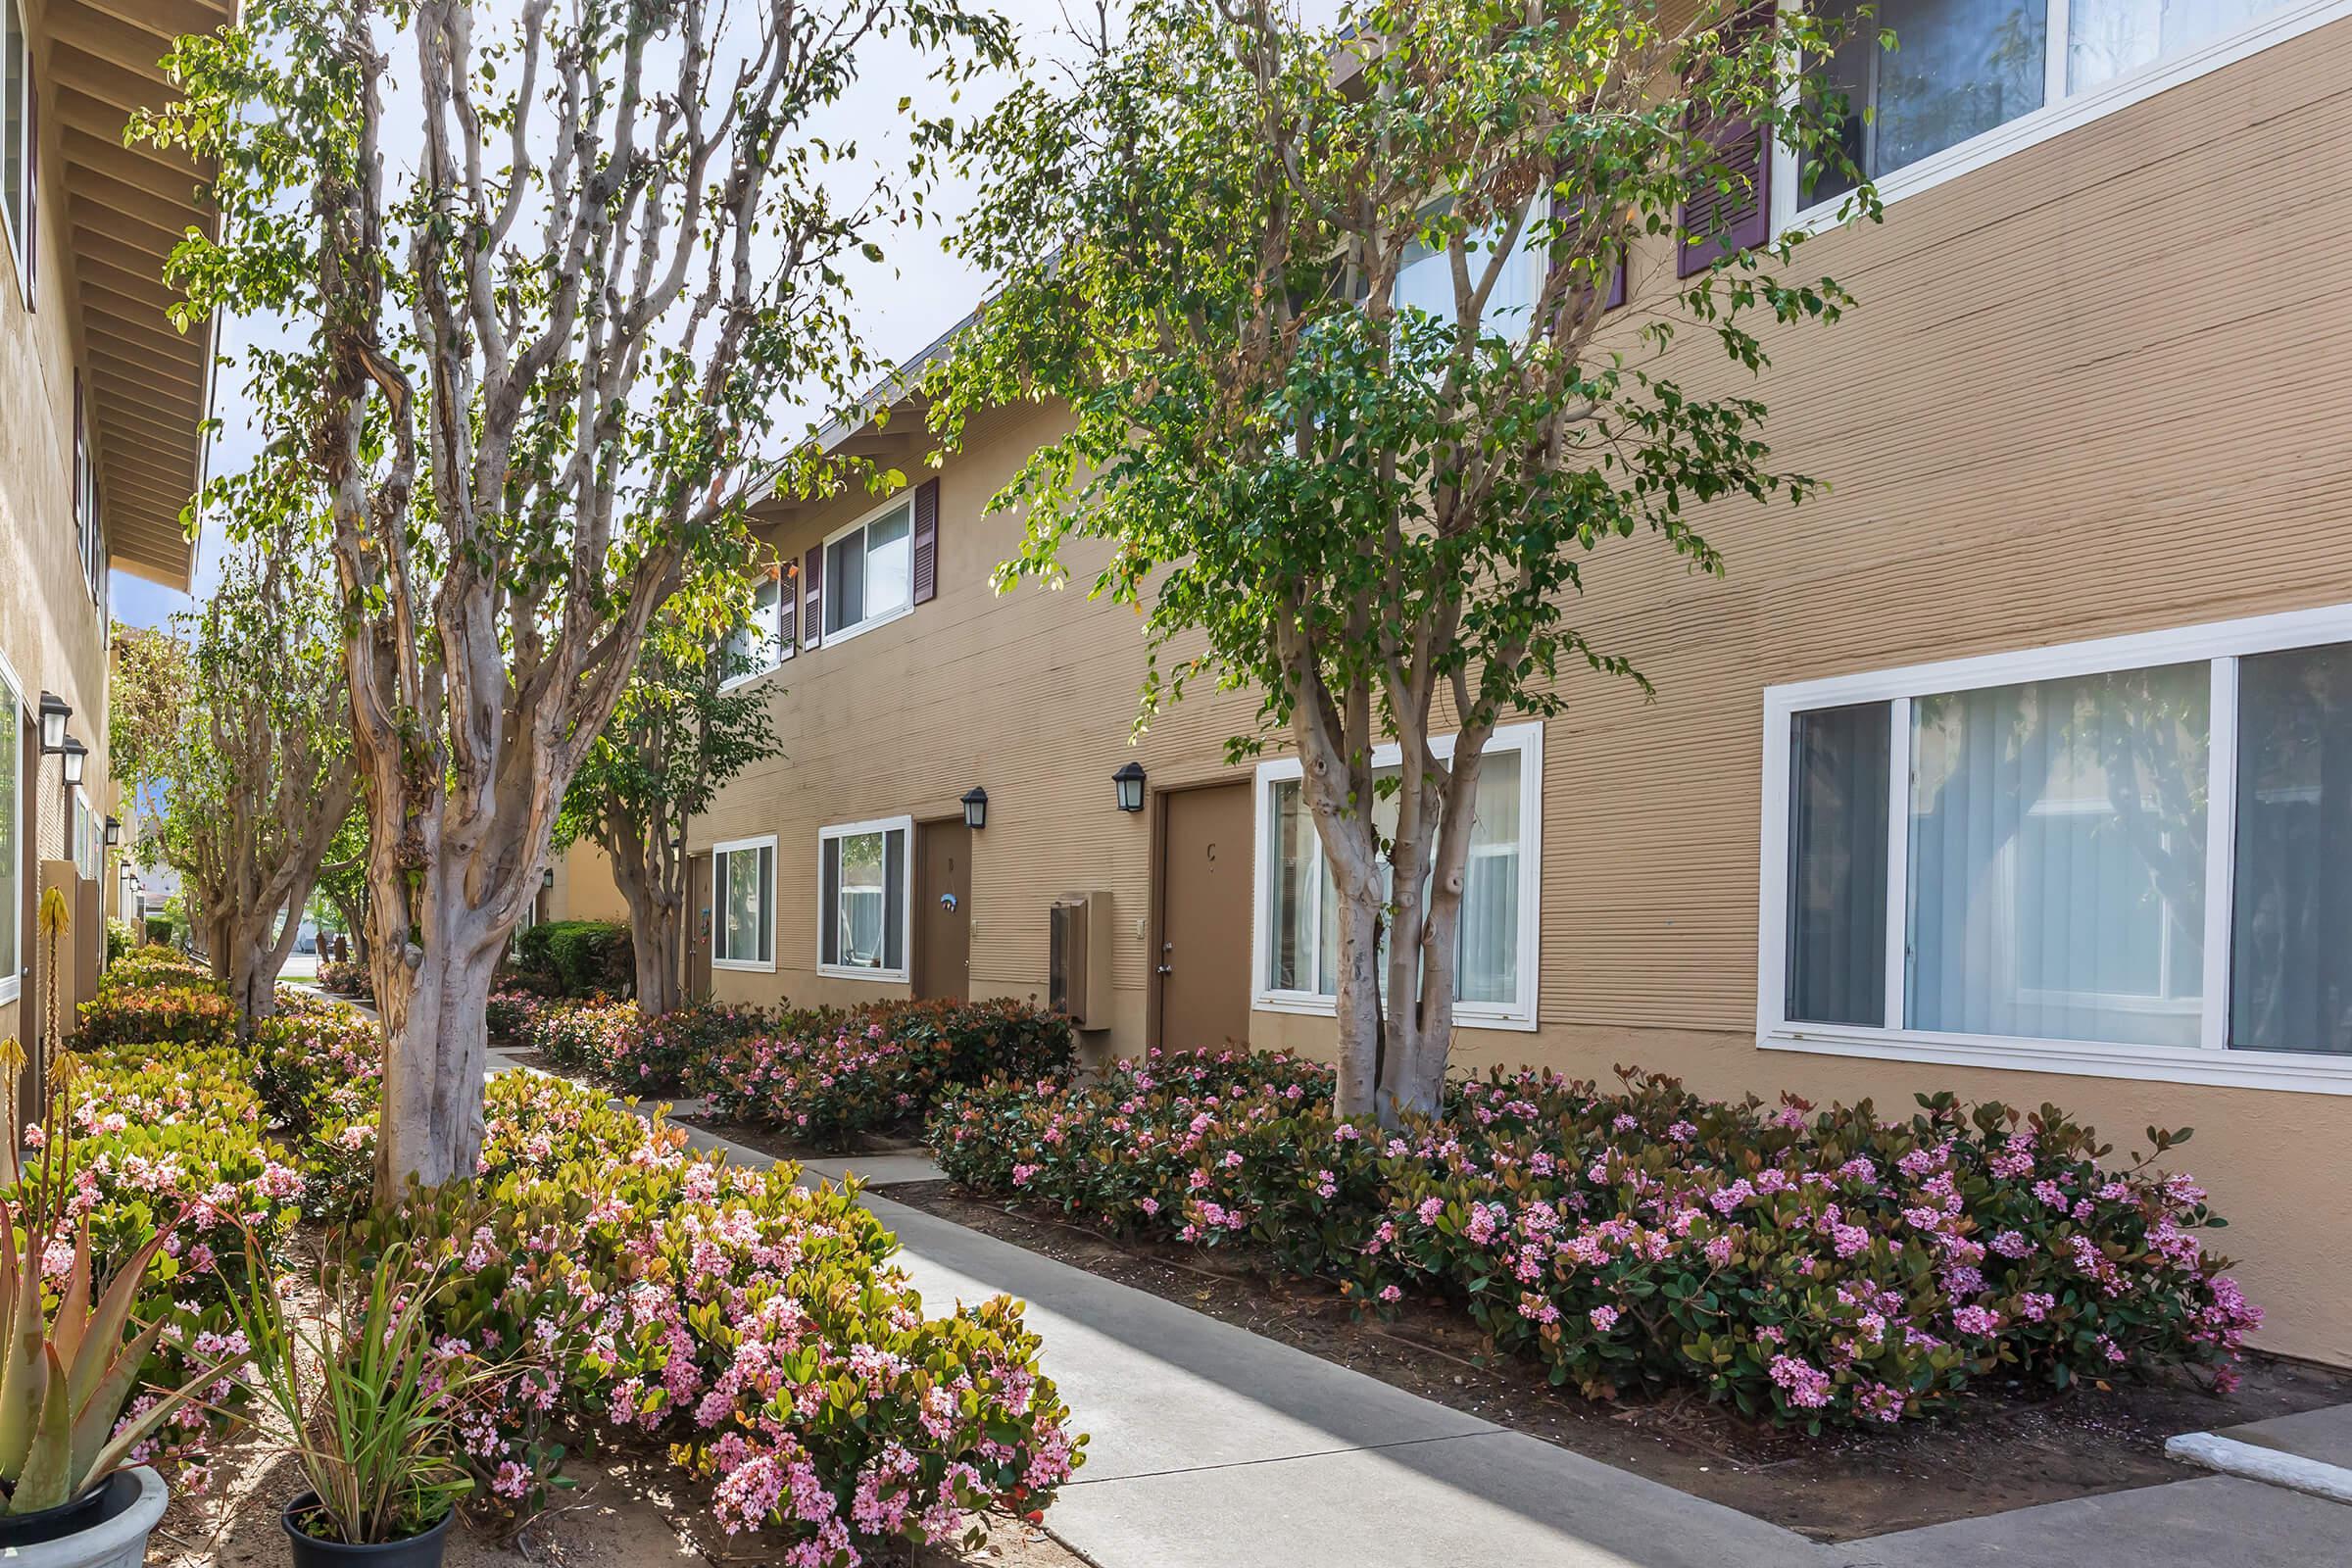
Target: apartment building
x=100 y=450
x=2020 y=765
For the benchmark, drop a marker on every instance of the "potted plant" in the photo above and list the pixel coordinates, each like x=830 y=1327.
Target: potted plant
x=371 y=1403
x=66 y=1372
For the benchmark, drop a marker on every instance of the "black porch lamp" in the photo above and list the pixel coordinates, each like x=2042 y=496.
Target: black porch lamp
x=1130 y=781
x=114 y=831
x=975 y=808
x=547 y=879
x=76 y=756
x=54 y=713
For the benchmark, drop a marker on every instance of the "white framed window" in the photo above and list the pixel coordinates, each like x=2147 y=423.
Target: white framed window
x=17 y=158
x=869 y=572
x=743 y=889
x=864 y=888
x=85 y=837
x=11 y=832
x=759 y=645
x=2128 y=857
x=1974 y=80
x=1295 y=919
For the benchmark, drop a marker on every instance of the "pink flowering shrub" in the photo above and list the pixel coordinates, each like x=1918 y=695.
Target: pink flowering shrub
x=1813 y=1266
x=346 y=978
x=754 y=1328
x=511 y=1012
x=830 y=1075
x=582 y=1035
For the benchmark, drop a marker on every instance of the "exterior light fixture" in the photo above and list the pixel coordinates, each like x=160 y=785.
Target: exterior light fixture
x=76 y=756
x=1130 y=781
x=547 y=879
x=114 y=831
x=975 y=808
x=54 y=713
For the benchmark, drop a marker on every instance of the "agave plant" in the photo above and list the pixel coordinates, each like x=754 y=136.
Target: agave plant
x=66 y=1371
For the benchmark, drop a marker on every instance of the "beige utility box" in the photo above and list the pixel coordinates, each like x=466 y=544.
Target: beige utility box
x=1079 y=959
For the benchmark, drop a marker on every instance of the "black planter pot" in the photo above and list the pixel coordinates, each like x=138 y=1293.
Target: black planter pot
x=413 y=1552
x=93 y=1507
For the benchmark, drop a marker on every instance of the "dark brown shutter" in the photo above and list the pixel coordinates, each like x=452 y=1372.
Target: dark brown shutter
x=926 y=541
x=1734 y=214
x=788 y=609
x=1726 y=219
x=812 y=597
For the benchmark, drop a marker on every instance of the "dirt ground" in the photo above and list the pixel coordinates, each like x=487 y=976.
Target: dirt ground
x=2017 y=1446
x=624 y=1513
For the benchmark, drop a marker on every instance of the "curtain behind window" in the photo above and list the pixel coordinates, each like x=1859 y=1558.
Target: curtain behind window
x=2057 y=867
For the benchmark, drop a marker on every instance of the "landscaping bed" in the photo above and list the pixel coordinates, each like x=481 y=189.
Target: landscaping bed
x=2006 y=1447
x=743 y=1345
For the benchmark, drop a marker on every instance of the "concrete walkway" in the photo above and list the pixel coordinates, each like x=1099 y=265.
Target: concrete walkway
x=1213 y=1448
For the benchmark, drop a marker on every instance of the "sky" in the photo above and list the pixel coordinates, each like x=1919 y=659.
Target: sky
x=917 y=293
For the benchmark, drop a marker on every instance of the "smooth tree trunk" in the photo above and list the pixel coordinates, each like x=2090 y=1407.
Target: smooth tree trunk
x=434 y=998
x=651 y=882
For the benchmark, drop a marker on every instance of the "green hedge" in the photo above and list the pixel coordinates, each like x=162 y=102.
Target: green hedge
x=579 y=957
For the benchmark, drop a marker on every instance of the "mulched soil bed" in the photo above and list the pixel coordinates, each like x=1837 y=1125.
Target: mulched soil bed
x=2029 y=1447
x=781 y=1146
x=624 y=1514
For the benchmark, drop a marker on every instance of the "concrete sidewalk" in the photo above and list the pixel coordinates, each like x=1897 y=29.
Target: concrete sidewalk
x=1213 y=1448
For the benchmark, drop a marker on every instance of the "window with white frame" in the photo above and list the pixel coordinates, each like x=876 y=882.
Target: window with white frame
x=759 y=645
x=15 y=141
x=12 y=831
x=2131 y=857
x=1971 y=80
x=869 y=570
x=85 y=837
x=1297 y=902
x=863 y=891
x=743 y=887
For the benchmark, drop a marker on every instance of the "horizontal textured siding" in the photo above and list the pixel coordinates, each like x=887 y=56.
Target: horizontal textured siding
x=2097 y=387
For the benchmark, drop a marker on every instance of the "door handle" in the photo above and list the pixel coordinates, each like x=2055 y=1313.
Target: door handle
x=1165 y=968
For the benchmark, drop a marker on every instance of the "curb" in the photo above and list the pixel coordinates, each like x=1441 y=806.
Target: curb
x=2271 y=1466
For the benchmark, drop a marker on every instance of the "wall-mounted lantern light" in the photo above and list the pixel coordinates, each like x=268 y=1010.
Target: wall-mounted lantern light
x=975 y=808
x=54 y=713
x=114 y=831
x=1130 y=781
x=547 y=879
x=76 y=756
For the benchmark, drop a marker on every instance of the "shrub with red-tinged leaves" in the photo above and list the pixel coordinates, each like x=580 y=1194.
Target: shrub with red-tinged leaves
x=1814 y=1266
x=828 y=1076
x=676 y=1052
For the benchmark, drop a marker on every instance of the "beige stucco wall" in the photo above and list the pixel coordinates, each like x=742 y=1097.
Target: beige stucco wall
x=584 y=888
x=51 y=633
x=2097 y=387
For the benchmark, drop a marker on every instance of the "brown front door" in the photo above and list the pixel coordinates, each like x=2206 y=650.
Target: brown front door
x=943 y=899
x=697 y=927
x=1203 y=974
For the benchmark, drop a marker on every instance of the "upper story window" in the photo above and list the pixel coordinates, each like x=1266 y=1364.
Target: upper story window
x=764 y=641
x=869 y=572
x=2124 y=858
x=1298 y=921
x=743 y=889
x=863 y=890
x=88 y=520
x=19 y=160
x=1972 y=80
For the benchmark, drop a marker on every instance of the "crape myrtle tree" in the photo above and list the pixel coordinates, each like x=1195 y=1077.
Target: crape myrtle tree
x=263 y=775
x=680 y=731
x=547 y=285
x=1370 y=496
x=146 y=704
